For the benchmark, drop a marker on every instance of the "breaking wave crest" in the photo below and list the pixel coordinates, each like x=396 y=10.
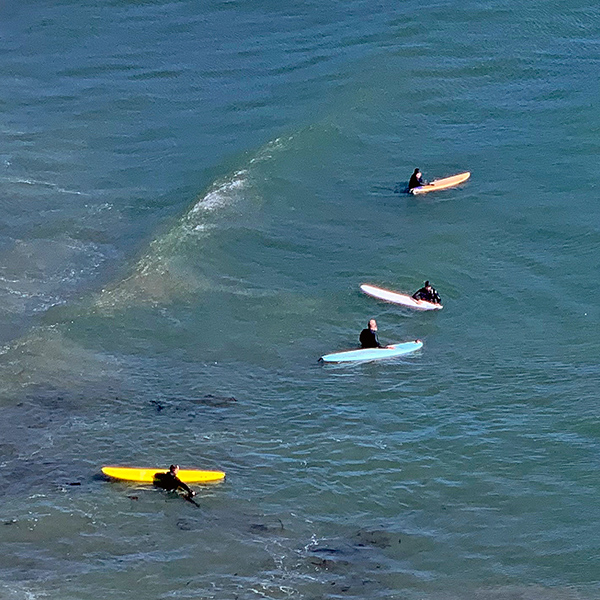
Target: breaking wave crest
x=161 y=275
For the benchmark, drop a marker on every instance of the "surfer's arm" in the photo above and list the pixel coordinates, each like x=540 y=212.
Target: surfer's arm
x=184 y=487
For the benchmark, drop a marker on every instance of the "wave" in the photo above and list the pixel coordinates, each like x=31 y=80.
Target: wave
x=160 y=275
x=47 y=358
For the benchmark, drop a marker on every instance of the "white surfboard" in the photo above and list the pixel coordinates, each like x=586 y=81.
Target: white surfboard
x=397 y=298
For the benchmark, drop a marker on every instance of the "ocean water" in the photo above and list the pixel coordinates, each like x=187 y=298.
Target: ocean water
x=191 y=194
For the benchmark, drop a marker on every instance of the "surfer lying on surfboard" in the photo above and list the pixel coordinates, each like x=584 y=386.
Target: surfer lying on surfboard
x=427 y=293
x=170 y=482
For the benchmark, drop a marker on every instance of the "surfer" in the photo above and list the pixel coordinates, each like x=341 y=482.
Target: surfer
x=368 y=336
x=427 y=293
x=416 y=180
x=170 y=482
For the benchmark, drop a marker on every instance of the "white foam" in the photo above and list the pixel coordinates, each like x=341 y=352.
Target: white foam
x=222 y=193
x=20 y=593
x=47 y=184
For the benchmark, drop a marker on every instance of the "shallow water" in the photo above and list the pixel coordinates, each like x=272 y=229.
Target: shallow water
x=191 y=195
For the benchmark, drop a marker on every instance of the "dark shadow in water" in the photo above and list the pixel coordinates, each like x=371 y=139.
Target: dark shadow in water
x=377 y=538
x=389 y=190
x=183 y=403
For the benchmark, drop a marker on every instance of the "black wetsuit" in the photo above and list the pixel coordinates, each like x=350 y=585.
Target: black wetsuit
x=415 y=181
x=427 y=295
x=170 y=482
x=368 y=339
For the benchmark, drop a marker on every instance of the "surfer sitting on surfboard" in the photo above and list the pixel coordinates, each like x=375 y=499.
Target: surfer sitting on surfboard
x=368 y=336
x=416 y=180
x=170 y=482
x=427 y=293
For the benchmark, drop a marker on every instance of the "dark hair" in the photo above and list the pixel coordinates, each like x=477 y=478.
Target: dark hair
x=173 y=467
x=426 y=283
x=417 y=170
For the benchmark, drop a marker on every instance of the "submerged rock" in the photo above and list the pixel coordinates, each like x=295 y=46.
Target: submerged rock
x=183 y=403
x=328 y=564
x=378 y=538
x=216 y=401
x=267 y=527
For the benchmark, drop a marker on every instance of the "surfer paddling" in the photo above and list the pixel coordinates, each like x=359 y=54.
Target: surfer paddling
x=428 y=294
x=170 y=482
x=368 y=337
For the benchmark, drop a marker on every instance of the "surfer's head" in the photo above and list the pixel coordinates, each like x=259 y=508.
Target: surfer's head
x=372 y=325
x=174 y=469
x=417 y=171
x=427 y=284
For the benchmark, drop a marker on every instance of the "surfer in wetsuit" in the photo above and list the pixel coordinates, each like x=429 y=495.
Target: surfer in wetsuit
x=368 y=336
x=416 y=180
x=427 y=293
x=170 y=482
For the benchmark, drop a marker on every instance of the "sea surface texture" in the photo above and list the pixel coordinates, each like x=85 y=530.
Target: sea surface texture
x=192 y=192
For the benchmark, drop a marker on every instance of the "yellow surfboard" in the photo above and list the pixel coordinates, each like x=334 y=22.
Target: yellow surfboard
x=147 y=475
x=442 y=184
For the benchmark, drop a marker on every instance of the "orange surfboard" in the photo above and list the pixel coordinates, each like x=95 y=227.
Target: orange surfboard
x=442 y=184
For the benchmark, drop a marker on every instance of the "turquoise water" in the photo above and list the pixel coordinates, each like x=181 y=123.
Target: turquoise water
x=191 y=195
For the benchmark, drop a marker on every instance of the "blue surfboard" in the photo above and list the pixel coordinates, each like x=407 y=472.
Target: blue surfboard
x=365 y=354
